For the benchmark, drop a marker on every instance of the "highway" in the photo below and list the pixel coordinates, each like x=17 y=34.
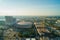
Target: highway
x=47 y=32
x=52 y=30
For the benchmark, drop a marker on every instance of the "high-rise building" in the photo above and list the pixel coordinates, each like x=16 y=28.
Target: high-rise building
x=10 y=20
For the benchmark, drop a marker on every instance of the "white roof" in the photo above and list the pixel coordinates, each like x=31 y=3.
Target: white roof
x=24 y=23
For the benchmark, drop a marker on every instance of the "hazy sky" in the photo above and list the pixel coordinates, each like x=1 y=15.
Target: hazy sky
x=30 y=7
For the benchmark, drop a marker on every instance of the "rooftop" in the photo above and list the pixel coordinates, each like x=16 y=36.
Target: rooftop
x=24 y=24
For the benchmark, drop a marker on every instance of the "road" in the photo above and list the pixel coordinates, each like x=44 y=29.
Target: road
x=43 y=30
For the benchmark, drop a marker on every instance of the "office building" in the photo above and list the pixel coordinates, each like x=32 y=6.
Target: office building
x=10 y=20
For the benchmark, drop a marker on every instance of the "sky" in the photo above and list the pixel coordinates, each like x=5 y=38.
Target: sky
x=30 y=7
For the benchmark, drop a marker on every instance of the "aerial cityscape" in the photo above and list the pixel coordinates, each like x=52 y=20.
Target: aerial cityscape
x=29 y=27
x=29 y=19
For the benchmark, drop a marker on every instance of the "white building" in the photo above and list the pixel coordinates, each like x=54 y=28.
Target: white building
x=24 y=25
